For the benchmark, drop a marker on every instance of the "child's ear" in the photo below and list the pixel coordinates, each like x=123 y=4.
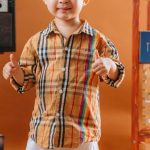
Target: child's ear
x=85 y=2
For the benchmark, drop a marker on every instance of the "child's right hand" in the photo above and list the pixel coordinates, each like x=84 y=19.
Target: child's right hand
x=10 y=68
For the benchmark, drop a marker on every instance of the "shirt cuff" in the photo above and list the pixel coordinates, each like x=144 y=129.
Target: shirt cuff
x=19 y=88
x=117 y=82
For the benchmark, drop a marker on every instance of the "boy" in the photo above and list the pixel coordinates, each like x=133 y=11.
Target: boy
x=65 y=62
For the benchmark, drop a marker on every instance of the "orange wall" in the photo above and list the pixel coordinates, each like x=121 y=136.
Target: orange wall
x=113 y=18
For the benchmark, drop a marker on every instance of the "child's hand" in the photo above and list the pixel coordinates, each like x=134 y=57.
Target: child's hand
x=101 y=66
x=10 y=68
x=104 y=66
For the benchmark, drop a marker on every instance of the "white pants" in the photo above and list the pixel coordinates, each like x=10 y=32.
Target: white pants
x=31 y=145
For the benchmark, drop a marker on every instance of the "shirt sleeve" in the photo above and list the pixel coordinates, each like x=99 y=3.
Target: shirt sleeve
x=107 y=49
x=28 y=64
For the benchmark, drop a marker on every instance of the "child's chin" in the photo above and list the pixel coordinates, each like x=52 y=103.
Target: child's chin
x=64 y=17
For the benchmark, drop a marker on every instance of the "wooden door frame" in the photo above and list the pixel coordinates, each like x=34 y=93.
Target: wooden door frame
x=135 y=74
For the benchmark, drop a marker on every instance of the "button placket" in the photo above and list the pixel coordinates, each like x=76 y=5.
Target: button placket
x=57 y=114
x=60 y=91
x=66 y=49
x=63 y=69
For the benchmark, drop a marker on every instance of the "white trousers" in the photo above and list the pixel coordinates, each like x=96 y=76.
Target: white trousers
x=31 y=145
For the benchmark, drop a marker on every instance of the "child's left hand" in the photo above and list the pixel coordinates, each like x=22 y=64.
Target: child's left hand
x=104 y=66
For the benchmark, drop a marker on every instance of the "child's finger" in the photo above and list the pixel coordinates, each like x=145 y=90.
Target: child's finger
x=7 y=70
x=13 y=60
x=97 y=68
x=102 y=72
x=6 y=74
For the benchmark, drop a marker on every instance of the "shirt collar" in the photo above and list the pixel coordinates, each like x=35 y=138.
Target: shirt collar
x=84 y=28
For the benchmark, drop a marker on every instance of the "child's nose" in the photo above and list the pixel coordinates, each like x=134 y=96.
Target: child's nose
x=64 y=1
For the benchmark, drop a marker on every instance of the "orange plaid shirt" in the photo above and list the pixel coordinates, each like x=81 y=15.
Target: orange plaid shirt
x=66 y=111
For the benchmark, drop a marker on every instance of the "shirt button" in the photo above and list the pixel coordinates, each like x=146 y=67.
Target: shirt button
x=63 y=69
x=57 y=114
x=66 y=48
x=61 y=91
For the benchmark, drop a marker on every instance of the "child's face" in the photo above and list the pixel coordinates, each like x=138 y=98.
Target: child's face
x=65 y=9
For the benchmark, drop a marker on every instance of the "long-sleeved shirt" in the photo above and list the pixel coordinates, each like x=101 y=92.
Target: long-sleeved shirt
x=66 y=111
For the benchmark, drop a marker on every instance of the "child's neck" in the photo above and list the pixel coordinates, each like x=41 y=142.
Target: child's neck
x=67 y=27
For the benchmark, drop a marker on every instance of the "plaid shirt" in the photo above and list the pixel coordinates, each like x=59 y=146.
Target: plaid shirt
x=66 y=111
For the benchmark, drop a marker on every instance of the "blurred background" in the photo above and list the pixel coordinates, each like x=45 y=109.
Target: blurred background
x=111 y=17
